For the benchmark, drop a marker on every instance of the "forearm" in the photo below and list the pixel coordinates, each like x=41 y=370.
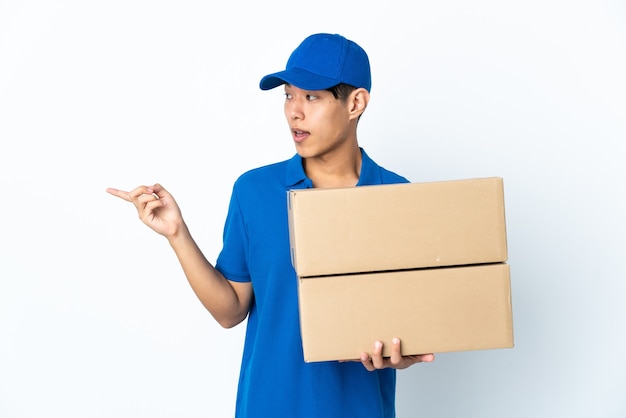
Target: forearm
x=216 y=293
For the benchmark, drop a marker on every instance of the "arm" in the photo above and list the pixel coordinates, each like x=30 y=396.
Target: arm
x=227 y=301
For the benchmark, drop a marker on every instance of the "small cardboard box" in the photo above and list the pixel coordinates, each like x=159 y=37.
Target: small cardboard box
x=431 y=310
x=397 y=227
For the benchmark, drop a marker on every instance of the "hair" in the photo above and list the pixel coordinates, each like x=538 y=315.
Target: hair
x=341 y=91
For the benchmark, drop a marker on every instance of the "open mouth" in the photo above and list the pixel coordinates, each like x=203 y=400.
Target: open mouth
x=299 y=135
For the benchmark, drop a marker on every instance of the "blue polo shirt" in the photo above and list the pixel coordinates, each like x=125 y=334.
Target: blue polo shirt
x=274 y=380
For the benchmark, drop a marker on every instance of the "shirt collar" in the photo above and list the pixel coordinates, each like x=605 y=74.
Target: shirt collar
x=297 y=179
x=370 y=173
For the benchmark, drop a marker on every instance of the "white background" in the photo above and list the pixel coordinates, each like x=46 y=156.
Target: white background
x=96 y=318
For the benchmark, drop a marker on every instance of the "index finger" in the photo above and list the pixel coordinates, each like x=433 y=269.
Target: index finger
x=119 y=193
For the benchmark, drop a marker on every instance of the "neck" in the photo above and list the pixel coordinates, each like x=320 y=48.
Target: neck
x=342 y=170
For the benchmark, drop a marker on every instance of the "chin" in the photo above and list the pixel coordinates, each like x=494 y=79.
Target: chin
x=303 y=151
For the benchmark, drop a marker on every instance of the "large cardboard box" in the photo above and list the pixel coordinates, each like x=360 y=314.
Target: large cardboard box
x=432 y=310
x=425 y=262
x=396 y=227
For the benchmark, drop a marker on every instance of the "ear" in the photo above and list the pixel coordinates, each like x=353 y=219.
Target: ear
x=359 y=98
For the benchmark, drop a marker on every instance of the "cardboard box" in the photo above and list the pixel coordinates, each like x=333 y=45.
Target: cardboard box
x=397 y=227
x=432 y=310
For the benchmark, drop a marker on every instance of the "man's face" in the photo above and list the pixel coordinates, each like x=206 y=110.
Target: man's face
x=319 y=123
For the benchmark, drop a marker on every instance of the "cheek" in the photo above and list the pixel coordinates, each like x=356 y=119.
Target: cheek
x=286 y=109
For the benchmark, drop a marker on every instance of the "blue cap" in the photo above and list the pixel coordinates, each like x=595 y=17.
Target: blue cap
x=322 y=61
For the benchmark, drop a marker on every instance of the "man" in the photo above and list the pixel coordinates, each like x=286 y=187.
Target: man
x=327 y=83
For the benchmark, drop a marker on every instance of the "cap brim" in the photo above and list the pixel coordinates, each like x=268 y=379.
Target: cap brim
x=299 y=78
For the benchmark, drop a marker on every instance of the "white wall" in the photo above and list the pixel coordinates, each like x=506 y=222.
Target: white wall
x=96 y=319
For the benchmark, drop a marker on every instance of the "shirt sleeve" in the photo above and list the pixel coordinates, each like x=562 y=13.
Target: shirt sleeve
x=232 y=261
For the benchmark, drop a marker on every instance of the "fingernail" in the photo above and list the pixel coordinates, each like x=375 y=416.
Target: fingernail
x=378 y=344
x=396 y=341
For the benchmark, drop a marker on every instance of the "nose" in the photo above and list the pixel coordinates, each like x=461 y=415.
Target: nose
x=294 y=109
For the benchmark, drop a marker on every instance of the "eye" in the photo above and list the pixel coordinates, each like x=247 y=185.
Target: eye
x=310 y=97
x=288 y=96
